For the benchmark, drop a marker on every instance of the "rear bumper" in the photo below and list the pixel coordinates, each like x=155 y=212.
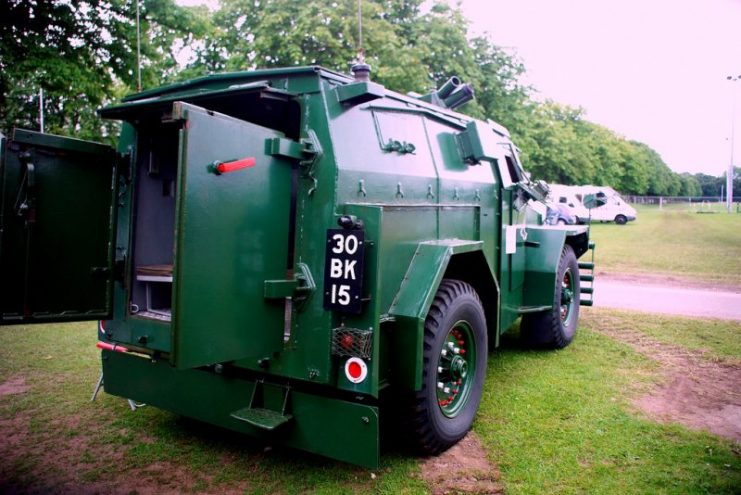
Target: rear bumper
x=331 y=427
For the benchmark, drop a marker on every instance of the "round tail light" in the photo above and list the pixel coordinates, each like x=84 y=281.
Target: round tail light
x=356 y=370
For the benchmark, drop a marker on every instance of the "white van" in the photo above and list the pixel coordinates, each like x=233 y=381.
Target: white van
x=567 y=195
x=614 y=209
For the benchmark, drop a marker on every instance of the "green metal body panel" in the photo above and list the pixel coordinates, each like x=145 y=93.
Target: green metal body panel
x=542 y=254
x=217 y=288
x=324 y=425
x=56 y=221
x=220 y=277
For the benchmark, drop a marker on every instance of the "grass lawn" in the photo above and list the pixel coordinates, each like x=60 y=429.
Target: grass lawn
x=672 y=242
x=554 y=422
x=562 y=422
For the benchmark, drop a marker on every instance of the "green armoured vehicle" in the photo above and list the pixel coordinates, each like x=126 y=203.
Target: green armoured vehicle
x=279 y=251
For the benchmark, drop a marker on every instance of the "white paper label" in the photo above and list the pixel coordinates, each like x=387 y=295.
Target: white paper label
x=510 y=241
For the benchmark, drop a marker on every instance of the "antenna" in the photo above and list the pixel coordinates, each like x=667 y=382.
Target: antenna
x=360 y=69
x=360 y=31
x=138 y=51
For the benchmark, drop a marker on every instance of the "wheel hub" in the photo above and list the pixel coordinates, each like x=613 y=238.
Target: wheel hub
x=458 y=367
x=567 y=295
x=453 y=379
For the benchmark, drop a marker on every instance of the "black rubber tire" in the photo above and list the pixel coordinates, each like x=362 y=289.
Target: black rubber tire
x=433 y=432
x=621 y=219
x=547 y=329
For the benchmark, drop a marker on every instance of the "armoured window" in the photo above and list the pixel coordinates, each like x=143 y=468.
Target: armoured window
x=515 y=173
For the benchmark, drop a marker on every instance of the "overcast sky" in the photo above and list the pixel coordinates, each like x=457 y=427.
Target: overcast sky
x=652 y=70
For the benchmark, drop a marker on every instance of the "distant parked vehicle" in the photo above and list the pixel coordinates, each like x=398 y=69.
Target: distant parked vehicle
x=565 y=196
x=559 y=214
x=614 y=207
x=592 y=203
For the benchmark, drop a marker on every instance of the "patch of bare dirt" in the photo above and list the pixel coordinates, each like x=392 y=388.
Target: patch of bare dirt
x=464 y=468
x=15 y=385
x=696 y=391
x=668 y=281
x=66 y=457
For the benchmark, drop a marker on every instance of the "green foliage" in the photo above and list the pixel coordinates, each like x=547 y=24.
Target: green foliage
x=711 y=185
x=690 y=185
x=83 y=54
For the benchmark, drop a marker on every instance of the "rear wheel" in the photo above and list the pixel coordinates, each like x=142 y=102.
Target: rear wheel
x=454 y=367
x=556 y=327
x=621 y=219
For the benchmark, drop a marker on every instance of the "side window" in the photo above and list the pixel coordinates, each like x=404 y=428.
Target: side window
x=514 y=171
x=562 y=199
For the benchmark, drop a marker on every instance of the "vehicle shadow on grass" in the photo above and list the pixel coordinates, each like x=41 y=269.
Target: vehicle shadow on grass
x=208 y=457
x=214 y=458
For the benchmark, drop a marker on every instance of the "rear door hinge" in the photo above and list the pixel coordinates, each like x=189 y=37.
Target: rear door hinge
x=307 y=151
x=299 y=288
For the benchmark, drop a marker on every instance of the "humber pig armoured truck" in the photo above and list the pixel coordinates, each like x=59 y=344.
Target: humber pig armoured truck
x=279 y=251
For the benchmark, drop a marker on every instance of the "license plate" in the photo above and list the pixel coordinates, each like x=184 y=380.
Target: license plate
x=343 y=270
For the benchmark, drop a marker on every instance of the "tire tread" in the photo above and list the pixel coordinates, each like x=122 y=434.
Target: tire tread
x=423 y=434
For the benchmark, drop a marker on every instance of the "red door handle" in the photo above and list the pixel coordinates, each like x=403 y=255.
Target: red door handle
x=225 y=167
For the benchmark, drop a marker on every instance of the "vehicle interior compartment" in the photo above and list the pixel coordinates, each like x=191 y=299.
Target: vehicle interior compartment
x=154 y=221
x=155 y=184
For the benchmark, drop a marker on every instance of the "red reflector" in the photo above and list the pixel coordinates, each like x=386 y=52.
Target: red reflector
x=346 y=341
x=354 y=370
x=223 y=168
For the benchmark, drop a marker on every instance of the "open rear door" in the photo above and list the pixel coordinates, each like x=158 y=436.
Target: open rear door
x=232 y=234
x=56 y=236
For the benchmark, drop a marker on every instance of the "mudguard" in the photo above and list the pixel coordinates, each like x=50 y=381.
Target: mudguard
x=544 y=245
x=413 y=300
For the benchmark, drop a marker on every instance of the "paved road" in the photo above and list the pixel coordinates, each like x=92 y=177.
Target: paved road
x=718 y=303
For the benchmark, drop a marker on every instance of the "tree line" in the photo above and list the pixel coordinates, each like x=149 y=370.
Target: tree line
x=83 y=54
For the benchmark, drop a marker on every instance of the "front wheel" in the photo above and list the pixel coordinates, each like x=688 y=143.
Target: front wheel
x=621 y=219
x=454 y=368
x=556 y=327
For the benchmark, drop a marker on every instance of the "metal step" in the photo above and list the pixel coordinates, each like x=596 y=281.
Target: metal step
x=586 y=290
x=586 y=278
x=591 y=245
x=586 y=302
x=265 y=419
x=586 y=265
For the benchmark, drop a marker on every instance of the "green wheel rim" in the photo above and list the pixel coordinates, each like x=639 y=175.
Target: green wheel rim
x=567 y=296
x=456 y=368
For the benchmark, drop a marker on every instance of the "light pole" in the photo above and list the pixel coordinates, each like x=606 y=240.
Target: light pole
x=729 y=174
